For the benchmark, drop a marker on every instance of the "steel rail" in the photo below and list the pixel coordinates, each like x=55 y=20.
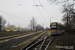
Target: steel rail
x=42 y=44
x=34 y=44
x=46 y=38
x=31 y=43
x=49 y=43
x=43 y=41
x=12 y=36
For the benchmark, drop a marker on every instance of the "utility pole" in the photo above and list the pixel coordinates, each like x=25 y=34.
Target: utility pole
x=67 y=12
x=33 y=22
x=31 y=25
x=43 y=25
x=50 y=21
x=0 y=23
x=18 y=25
x=67 y=21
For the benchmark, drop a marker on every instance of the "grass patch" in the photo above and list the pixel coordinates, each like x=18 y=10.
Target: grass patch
x=49 y=33
x=2 y=32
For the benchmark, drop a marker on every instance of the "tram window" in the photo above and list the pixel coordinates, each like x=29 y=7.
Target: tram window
x=53 y=26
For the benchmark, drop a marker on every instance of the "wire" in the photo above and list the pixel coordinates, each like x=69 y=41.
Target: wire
x=11 y=15
x=38 y=10
x=45 y=9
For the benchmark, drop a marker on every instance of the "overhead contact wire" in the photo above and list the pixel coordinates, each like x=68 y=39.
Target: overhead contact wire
x=11 y=15
x=38 y=10
x=44 y=8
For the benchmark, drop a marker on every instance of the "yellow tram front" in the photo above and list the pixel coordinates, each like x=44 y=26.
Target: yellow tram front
x=54 y=28
x=8 y=29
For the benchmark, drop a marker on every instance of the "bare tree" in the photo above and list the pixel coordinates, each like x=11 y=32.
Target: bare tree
x=33 y=24
x=68 y=11
x=58 y=1
x=2 y=23
x=39 y=27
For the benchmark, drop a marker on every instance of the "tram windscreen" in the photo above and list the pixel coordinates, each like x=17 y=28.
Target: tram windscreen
x=53 y=27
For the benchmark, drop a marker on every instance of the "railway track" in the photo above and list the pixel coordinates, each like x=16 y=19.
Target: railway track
x=36 y=40
x=40 y=43
x=5 y=39
x=46 y=42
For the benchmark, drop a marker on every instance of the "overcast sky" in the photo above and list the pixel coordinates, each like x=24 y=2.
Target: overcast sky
x=25 y=10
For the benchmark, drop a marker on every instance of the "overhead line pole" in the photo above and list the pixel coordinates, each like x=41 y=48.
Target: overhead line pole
x=50 y=21
x=0 y=23
x=67 y=15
